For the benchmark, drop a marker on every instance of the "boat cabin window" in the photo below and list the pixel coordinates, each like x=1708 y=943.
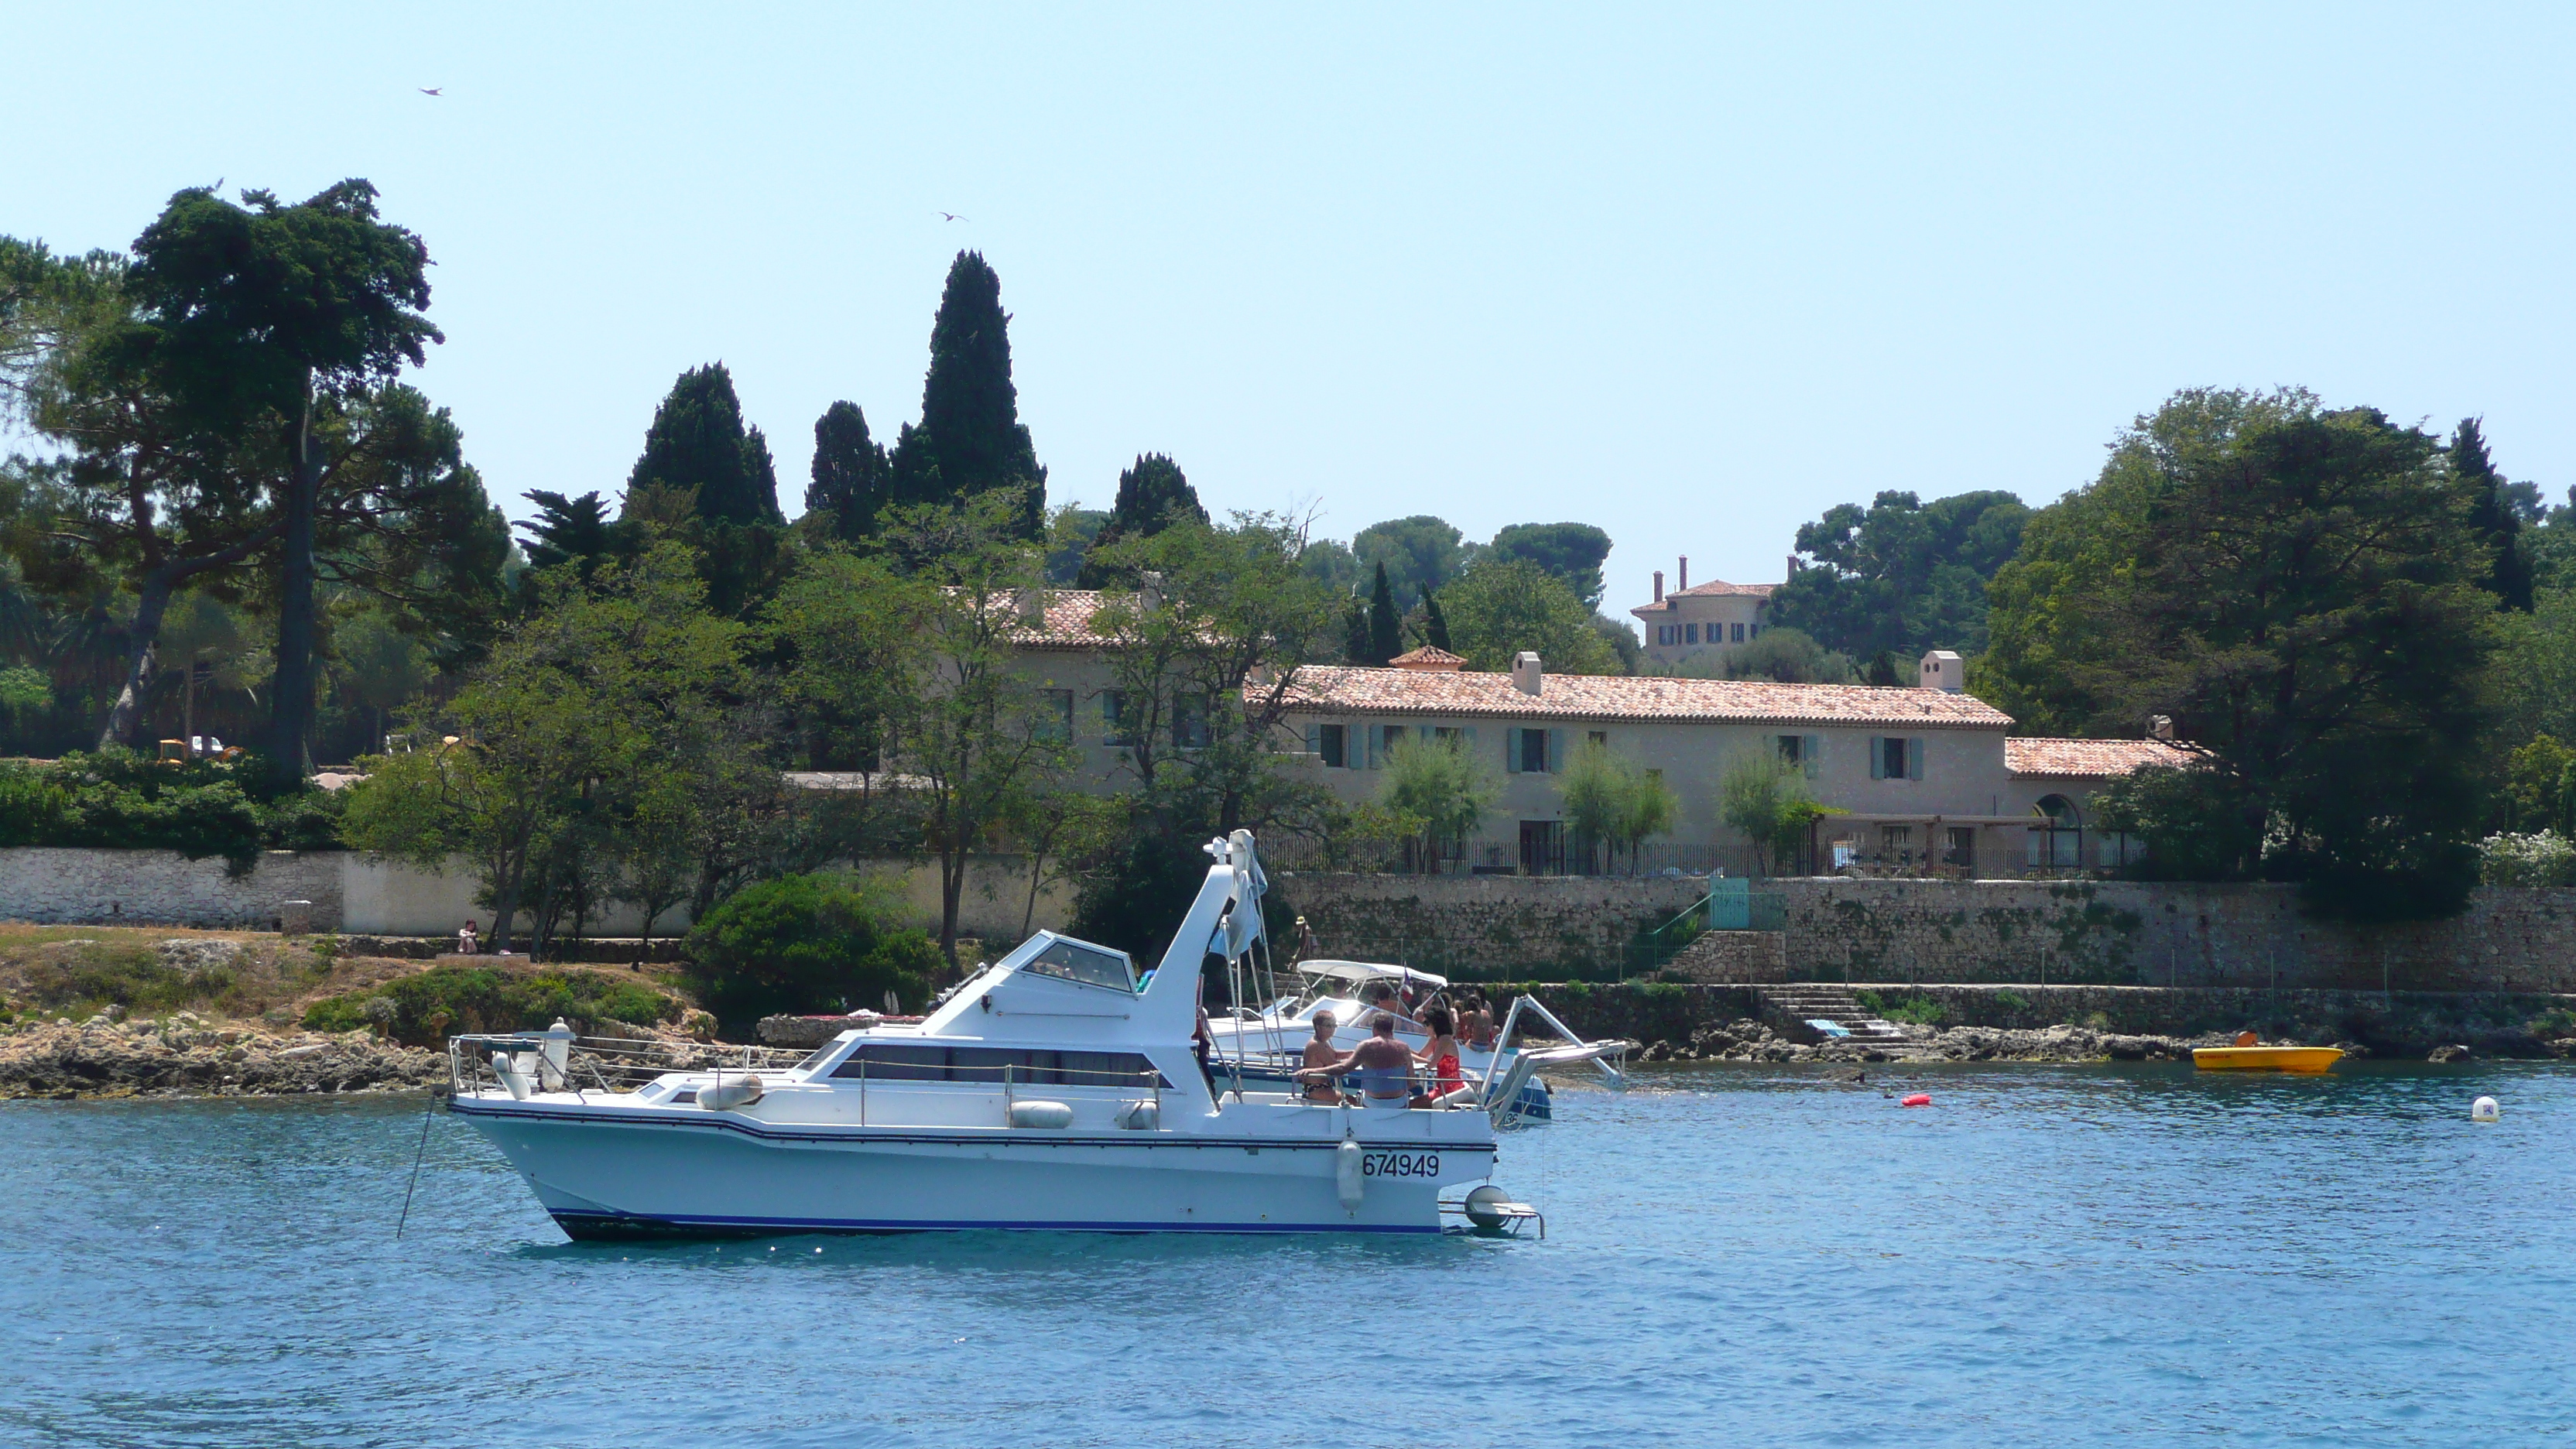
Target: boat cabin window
x=1075 y=961
x=907 y=1062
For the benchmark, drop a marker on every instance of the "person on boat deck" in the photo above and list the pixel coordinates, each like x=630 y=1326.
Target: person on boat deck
x=1384 y=1005
x=2247 y=1038
x=1381 y=1067
x=1440 y=1053
x=1480 y=1027
x=1321 y=1052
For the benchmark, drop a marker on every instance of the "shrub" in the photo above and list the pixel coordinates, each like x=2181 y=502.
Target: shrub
x=804 y=943
x=1913 y=1010
x=479 y=998
x=120 y=799
x=2542 y=858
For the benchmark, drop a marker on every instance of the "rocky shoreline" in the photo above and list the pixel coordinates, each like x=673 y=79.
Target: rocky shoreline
x=190 y=1056
x=1747 y=1040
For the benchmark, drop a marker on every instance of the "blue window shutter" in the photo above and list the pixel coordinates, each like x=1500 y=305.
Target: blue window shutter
x=1877 y=757
x=1315 y=740
x=1555 y=751
x=1511 y=749
x=1914 y=759
x=1812 y=754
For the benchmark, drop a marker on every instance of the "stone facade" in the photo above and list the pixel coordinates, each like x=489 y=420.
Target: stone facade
x=2065 y=933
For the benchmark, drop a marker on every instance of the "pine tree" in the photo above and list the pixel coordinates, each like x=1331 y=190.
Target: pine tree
x=1152 y=496
x=698 y=444
x=849 y=473
x=2509 y=579
x=1435 y=625
x=567 y=529
x=1386 y=639
x=970 y=439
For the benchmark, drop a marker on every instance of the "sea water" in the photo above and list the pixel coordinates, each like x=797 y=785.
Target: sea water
x=1755 y=1255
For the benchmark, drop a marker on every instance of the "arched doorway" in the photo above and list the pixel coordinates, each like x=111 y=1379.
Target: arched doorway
x=2057 y=836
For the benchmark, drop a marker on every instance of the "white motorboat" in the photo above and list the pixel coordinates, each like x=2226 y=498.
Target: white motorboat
x=1266 y=1045
x=1054 y=1090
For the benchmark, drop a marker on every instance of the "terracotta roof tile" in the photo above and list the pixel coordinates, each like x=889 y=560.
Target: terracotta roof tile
x=1068 y=622
x=1335 y=688
x=1428 y=658
x=2089 y=759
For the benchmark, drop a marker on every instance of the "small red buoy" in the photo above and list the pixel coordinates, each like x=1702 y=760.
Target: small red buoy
x=1919 y=1099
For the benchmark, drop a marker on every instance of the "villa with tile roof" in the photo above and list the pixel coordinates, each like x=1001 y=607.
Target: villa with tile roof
x=1928 y=777
x=1691 y=621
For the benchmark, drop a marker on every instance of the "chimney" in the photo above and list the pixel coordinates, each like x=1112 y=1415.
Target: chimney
x=1659 y=586
x=1150 y=590
x=1032 y=607
x=1942 y=670
x=1527 y=677
x=1684 y=585
x=2160 y=726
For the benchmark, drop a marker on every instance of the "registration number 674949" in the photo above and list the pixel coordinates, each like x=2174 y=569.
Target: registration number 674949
x=1401 y=1164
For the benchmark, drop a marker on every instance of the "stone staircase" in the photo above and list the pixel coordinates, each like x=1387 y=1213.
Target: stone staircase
x=1790 y=1008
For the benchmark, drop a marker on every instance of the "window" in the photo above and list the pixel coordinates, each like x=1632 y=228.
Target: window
x=1190 y=721
x=1054 y=722
x=1598 y=737
x=1793 y=749
x=1074 y=961
x=1962 y=851
x=1330 y=742
x=1690 y=633
x=1667 y=634
x=1892 y=757
x=1113 y=718
x=1531 y=752
x=1739 y=633
x=1895 y=839
x=905 y=1062
x=2057 y=838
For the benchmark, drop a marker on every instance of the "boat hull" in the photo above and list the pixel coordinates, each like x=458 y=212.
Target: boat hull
x=618 y=1173
x=2266 y=1059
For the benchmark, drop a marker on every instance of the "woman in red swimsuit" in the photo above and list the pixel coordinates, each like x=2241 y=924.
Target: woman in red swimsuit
x=1441 y=1052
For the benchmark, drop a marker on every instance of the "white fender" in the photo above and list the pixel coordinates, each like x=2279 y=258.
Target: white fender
x=555 y=1057
x=505 y=1066
x=730 y=1093
x=1041 y=1114
x=1346 y=1173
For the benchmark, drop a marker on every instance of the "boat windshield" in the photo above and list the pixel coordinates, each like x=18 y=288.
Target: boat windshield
x=1074 y=961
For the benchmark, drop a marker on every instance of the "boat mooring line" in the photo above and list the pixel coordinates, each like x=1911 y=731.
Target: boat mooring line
x=417 y=1153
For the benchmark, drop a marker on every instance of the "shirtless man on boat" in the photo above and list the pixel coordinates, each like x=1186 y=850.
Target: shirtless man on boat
x=1321 y=1053
x=1381 y=1067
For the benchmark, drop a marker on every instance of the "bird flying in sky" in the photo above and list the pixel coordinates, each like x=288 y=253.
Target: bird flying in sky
x=431 y=90
x=952 y=216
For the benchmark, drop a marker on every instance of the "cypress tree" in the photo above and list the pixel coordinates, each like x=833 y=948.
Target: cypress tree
x=970 y=439
x=849 y=472
x=1435 y=626
x=1386 y=639
x=2509 y=577
x=1152 y=496
x=698 y=443
x=1355 y=634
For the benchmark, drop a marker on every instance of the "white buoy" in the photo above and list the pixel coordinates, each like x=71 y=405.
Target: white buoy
x=2484 y=1109
x=1346 y=1173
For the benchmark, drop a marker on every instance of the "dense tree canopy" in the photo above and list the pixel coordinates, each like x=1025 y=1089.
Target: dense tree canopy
x=970 y=440
x=1419 y=554
x=1498 y=608
x=1571 y=552
x=1901 y=575
x=2299 y=590
x=1152 y=496
x=698 y=447
x=850 y=471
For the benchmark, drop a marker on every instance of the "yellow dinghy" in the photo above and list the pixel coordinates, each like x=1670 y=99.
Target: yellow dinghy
x=2266 y=1058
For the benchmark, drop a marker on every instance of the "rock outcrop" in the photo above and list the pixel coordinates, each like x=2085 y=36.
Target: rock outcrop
x=188 y=1056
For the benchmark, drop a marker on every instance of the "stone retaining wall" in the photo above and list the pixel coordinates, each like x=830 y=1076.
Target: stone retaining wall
x=2121 y=933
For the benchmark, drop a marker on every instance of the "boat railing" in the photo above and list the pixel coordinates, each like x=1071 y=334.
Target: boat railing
x=595 y=1063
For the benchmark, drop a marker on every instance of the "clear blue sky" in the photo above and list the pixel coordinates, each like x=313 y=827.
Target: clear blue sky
x=1691 y=274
